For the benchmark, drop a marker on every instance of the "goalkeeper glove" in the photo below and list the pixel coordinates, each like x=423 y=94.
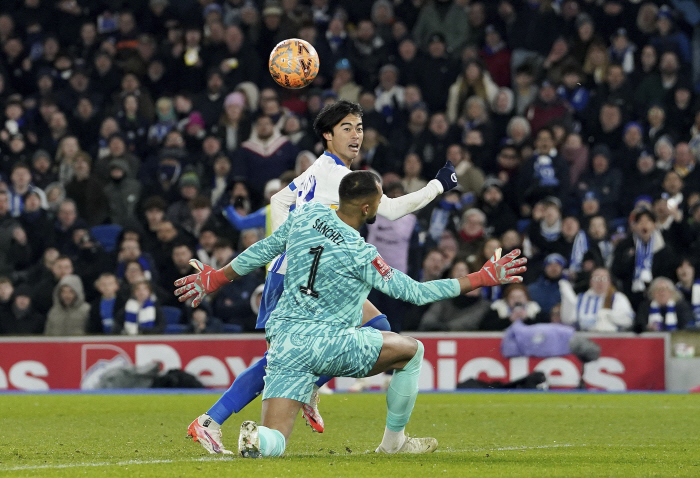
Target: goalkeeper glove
x=499 y=270
x=197 y=286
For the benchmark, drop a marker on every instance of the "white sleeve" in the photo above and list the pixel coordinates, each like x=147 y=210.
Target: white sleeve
x=396 y=208
x=568 y=302
x=622 y=313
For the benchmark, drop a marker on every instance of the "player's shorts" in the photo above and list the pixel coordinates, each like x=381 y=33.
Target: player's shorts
x=295 y=362
x=274 y=286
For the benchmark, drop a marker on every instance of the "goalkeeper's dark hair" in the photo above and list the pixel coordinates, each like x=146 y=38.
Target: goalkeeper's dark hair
x=333 y=114
x=357 y=185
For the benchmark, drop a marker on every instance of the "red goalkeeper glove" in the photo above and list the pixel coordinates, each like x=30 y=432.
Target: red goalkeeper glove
x=206 y=281
x=499 y=270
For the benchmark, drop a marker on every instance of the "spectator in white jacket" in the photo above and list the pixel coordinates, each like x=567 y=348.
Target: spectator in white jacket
x=600 y=309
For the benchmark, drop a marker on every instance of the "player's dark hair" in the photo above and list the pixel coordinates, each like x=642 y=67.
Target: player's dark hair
x=358 y=184
x=333 y=114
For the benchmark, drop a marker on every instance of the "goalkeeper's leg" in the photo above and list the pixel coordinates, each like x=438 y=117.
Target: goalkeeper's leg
x=404 y=355
x=371 y=317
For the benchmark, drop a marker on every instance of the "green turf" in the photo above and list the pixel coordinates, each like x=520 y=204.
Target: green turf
x=508 y=434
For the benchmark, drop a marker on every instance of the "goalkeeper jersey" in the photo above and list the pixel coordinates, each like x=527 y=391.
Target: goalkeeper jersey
x=330 y=272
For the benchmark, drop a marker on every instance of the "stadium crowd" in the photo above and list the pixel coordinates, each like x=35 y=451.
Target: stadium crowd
x=139 y=134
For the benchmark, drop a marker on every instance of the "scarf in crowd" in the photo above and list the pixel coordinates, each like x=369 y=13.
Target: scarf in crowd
x=587 y=308
x=550 y=233
x=580 y=247
x=107 y=314
x=135 y=316
x=643 y=257
x=667 y=321
x=544 y=171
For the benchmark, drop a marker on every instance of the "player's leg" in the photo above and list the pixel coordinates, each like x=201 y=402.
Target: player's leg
x=371 y=317
x=206 y=429
x=269 y=438
x=404 y=355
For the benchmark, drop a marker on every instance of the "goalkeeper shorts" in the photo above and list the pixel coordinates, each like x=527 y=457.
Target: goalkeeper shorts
x=295 y=362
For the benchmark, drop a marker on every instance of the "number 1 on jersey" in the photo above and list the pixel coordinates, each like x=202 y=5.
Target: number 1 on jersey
x=308 y=289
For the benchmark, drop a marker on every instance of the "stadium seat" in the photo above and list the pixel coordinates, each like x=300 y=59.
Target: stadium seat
x=106 y=235
x=172 y=315
x=176 y=329
x=232 y=328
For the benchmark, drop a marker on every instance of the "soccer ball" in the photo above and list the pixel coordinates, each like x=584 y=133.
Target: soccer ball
x=293 y=63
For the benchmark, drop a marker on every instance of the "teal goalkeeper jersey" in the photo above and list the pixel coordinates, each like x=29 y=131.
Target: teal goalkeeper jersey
x=330 y=272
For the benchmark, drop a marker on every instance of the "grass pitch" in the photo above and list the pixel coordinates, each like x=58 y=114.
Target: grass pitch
x=480 y=434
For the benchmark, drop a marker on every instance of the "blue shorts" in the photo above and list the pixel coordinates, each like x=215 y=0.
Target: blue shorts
x=295 y=361
x=274 y=286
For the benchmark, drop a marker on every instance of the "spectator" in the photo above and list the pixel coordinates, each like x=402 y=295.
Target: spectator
x=645 y=180
x=264 y=156
x=69 y=313
x=601 y=308
x=642 y=257
x=469 y=177
x=142 y=313
x=458 y=314
x=14 y=246
x=472 y=234
x=20 y=186
x=515 y=305
x=546 y=107
x=106 y=306
x=473 y=81
x=20 y=318
x=443 y=16
x=87 y=191
x=499 y=216
x=545 y=291
x=496 y=56
x=593 y=241
x=130 y=250
x=689 y=286
x=122 y=193
x=412 y=174
x=664 y=309
x=632 y=146
x=603 y=181
x=546 y=173
x=436 y=73
x=204 y=323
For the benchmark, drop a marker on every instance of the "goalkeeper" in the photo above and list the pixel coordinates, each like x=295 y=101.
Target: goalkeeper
x=314 y=330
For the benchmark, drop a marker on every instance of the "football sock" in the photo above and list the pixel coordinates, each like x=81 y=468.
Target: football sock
x=402 y=392
x=380 y=322
x=392 y=441
x=242 y=391
x=272 y=442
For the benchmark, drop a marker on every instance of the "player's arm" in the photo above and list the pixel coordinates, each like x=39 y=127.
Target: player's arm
x=395 y=208
x=255 y=219
x=281 y=201
x=207 y=279
x=398 y=285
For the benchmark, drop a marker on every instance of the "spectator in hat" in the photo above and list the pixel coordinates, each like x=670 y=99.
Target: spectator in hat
x=118 y=149
x=642 y=257
x=668 y=38
x=496 y=56
x=20 y=318
x=179 y=212
x=69 y=313
x=605 y=182
x=622 y=50
x=602 y=308
x=645 y=180
x=545 y=290
x=664 y=309
x=436 y=73
x=343 y=83
x=122 y=193
x=499 y=216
